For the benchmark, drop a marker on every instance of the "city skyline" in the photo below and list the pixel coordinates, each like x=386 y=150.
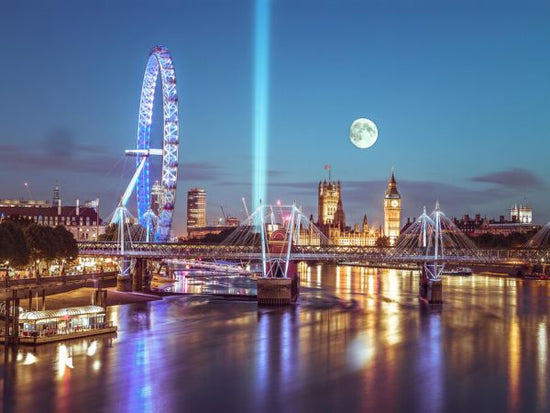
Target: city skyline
x=460 y=108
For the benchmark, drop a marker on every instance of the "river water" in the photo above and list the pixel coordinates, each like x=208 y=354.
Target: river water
x=359 y=341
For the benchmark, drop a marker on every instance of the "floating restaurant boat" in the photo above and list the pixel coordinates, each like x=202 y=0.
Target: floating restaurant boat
x=535 y=276
x=464 y=271
x=37 y=327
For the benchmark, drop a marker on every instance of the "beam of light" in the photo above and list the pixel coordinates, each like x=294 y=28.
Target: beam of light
x=261 y=101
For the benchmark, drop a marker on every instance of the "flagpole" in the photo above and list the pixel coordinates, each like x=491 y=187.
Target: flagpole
x=327 y=167
x=97 y=221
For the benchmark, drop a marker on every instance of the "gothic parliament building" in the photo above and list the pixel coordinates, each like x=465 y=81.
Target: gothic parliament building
x=331 y=218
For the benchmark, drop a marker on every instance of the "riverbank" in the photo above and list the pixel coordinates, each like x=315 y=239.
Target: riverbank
x=83 y=296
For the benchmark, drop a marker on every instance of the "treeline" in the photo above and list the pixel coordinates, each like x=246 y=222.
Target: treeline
x=513 y=240
x=214 y=239
x=22 y=241
x=132 y=232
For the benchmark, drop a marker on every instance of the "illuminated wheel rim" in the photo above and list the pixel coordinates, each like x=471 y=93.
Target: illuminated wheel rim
x=160 y=60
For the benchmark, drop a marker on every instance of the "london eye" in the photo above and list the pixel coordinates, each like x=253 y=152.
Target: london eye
x=159 y=61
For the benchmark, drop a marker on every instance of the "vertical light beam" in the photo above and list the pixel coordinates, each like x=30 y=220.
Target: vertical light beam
x=261 y=101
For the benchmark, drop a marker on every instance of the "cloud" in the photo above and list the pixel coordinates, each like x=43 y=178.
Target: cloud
x=39 y=158
x=199 y=171
x=57 y=151
x=59 y=143
x=512 y=178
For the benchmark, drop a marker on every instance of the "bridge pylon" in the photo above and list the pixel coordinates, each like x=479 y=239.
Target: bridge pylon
x=432 y=240
x=274 y=230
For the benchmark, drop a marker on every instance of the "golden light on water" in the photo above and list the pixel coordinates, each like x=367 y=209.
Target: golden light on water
x=542 y=361
x=514 y=364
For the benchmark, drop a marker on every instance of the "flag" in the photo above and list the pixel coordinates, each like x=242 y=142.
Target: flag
x=327 y=167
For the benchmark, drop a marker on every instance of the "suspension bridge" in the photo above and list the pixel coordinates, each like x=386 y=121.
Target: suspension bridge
x=312 y=253
x=274 y=235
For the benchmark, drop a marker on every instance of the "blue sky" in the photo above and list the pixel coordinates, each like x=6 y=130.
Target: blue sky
x=460 y=93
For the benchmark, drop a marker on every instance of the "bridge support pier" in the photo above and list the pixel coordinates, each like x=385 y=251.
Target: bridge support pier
x=137 y=278
x=279 y=291
x=99 y=297
x=430 y=288
x=124 y=280
x=123 y=283
x=12 y=320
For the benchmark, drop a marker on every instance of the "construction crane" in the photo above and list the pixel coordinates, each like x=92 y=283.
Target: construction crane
x=223 y=213
x=245 y=207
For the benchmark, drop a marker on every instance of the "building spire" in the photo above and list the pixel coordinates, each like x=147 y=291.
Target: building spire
x=392 y=191
x=340 y=216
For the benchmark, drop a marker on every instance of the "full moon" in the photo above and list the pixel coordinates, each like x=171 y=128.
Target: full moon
x=363 y=133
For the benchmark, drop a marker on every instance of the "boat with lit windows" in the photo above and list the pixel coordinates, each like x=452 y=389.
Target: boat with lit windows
x=463 y=271
x=37 y=327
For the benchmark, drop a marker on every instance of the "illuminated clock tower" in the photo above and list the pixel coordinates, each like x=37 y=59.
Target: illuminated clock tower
x=392 y=211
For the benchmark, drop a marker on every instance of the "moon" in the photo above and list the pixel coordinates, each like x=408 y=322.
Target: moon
x=363 y=133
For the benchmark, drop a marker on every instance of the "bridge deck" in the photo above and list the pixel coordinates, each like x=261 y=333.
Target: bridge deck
x=333 y=253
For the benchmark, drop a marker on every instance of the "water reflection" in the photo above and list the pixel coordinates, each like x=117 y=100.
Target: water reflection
x=208 y=282
x=542 y=362
x=358 y=341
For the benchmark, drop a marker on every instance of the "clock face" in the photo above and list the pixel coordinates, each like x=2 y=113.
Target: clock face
x=394 y=203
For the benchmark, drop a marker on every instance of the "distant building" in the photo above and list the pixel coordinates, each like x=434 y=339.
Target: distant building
x=476 y=226
x=232 y=222
x=392 y=211
x=330 y=210
x=23 y=203
x=56 y=197
x=521 y=213
x=200 y=232
x=83 y=222
x=196 y=208
x=331 y=220
x=156 y=198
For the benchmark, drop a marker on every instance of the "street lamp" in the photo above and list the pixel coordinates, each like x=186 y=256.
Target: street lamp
x=7 y=263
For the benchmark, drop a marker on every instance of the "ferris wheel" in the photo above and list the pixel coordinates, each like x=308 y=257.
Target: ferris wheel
x=159 y=61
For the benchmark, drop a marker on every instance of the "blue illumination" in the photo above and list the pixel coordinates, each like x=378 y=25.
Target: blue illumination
x=261 y=101
x=159 y=62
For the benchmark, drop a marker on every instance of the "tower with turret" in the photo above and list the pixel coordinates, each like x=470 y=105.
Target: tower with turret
x=392 y=211
x=330 y=209
x=56 y=196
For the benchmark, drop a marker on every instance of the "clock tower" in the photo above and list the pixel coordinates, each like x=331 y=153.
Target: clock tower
x=392 y=211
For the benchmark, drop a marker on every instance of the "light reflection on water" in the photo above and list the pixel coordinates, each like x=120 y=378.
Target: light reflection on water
x=358 y=341
x=208 y=282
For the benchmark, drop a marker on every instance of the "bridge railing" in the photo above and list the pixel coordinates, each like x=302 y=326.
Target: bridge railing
x=323 y=252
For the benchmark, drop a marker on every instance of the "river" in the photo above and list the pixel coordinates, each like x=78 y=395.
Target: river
x=359 y=341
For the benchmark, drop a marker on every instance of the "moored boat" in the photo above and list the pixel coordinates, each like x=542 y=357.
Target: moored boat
x=464 y=271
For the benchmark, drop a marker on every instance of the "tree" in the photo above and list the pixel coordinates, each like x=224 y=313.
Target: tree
x=43 y=243
x=67 y=246
x=216 y=238
x=382 y=241
x=137 y=233
x=512 y=240
x=23 y=241
x=110 y=233
x=13 y=245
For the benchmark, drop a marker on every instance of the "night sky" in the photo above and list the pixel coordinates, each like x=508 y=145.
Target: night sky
x=460 y=94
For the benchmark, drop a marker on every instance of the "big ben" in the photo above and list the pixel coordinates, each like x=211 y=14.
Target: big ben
x=392 y=211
